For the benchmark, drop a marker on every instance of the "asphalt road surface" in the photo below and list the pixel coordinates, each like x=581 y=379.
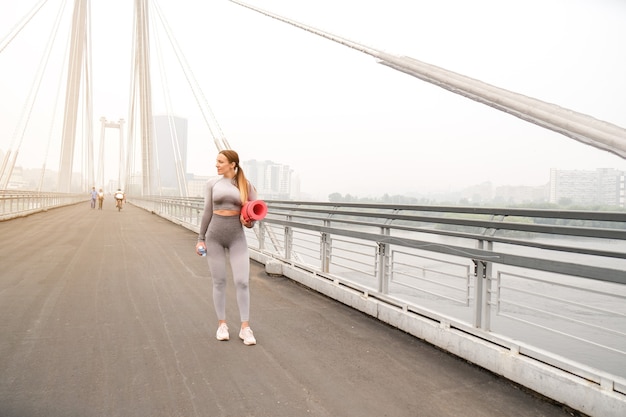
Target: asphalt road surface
x=107 y=313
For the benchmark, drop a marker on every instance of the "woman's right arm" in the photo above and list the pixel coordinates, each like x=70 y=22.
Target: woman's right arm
x=208 y=211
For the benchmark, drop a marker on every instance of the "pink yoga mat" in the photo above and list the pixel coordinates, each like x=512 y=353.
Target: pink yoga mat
x=254 y=210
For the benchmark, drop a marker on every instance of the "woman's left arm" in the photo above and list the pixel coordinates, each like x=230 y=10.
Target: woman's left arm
x=252 y=195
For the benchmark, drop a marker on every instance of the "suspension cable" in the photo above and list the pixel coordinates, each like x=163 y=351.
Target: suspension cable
x=168 y=106
x=218 y=135
x=181 y=180
x=52 y=120
x=20 y=128
x=20 y=25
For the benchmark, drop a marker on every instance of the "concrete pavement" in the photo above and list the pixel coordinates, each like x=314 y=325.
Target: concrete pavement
x=110 y=314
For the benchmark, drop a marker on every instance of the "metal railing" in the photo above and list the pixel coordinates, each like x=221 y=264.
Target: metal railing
x=546 y=284
x=16 y=203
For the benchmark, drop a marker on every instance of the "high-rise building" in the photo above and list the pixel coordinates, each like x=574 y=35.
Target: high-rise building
x=604 y=186
x=171 y=154
x=273 y=181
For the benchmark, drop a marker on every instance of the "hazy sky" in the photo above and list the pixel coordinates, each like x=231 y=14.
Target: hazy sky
x=343 y=122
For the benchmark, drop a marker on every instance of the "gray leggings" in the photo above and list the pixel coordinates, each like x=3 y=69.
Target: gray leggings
x=226 y=233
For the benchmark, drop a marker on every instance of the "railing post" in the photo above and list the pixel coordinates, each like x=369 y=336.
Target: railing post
x=383 y=263
x=383 y=256
x=261 y=236
x=479 y=276
x=326 y=248
x=288 y=242
x=482 y=276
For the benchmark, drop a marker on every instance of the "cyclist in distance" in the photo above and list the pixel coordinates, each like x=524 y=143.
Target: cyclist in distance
x=120 y=199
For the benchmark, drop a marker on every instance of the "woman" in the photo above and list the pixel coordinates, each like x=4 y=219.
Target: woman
x=221 y=230
x=100 y=199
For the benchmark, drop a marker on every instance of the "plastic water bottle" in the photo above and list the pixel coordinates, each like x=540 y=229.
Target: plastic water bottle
x=202 y=251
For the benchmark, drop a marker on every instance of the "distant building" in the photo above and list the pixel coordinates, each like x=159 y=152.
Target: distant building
x=171 y=153
x=604 y=187
x=17 y=181
x=273 y=181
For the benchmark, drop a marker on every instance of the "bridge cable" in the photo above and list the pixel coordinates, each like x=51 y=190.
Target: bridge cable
x=578 y=126
x=168 y=107
x=6 y=170
x=88 y=109
x=20 y=25
x=53 y=119
x=174 y=140
x=216 y=132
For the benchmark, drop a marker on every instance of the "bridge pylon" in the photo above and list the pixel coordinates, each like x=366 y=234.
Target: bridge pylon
x=104 y=123
x=78 y=70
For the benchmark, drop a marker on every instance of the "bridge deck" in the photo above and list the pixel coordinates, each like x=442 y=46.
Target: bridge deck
x=110 y=314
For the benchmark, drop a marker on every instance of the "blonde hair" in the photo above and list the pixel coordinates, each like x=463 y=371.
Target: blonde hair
x=240 y=178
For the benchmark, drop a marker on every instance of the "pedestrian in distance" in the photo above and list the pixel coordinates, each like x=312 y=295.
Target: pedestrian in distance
x=94 y=195
x=221 y=231
x=100 y=199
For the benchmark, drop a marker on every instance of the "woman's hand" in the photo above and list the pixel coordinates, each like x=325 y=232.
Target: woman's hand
x=249 y=224
x=198 y=246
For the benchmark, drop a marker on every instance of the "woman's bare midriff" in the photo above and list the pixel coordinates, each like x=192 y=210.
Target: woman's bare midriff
x=226 y=212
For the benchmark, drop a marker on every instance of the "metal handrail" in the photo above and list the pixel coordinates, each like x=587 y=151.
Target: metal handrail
x=18 y=203
x=489 y=241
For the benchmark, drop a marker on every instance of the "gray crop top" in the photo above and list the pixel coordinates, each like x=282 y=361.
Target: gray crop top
x=221 y=194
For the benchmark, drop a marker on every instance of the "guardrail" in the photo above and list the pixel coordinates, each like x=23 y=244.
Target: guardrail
x=513 y=290
x=15 y=203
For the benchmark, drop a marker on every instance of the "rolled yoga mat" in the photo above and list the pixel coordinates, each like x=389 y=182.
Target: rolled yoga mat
x=254 y=210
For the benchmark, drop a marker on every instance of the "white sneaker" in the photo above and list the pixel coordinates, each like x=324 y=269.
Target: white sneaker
x=247 y=336
x=222 y=332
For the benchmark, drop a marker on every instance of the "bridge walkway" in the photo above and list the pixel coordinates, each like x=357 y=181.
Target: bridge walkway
x=108 y=313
